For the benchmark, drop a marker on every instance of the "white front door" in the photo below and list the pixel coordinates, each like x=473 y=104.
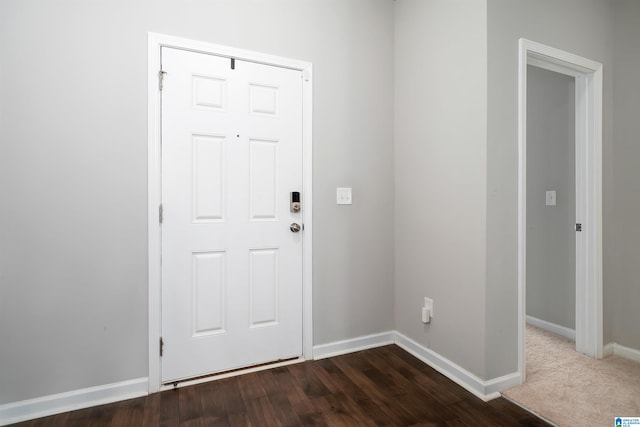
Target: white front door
x=231 y=266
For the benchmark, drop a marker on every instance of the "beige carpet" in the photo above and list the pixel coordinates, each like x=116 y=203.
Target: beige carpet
x=571 y=389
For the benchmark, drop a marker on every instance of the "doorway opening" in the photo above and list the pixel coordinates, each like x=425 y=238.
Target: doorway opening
x=588 y=192
x=551 y=212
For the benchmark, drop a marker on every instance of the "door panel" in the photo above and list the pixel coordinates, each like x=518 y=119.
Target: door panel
x=231 y=267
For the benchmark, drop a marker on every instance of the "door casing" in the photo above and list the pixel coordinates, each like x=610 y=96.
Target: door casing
x=155 y=43
x=588 y=140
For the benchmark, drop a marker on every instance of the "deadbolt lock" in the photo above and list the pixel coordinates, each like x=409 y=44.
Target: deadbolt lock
x=294 y=201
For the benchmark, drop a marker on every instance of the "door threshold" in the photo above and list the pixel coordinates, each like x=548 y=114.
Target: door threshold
x=230 y=373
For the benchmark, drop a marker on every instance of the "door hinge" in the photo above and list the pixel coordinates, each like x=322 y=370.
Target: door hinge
x=578 y=227
x=160 y=213
x=161 y=79
x=233 y=63
x=161 y=346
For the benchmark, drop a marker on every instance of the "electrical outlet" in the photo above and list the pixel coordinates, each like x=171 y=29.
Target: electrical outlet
x=343 y=196
x=426 y=316
x=428 y=304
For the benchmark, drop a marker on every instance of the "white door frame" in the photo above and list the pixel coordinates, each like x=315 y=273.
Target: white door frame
x=155 y=43
x=588 y=104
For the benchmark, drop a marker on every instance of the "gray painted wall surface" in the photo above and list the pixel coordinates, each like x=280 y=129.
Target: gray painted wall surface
x=622 y=290
x=73 y=173
x=551 y=261
x=73 y=179
x=440 y=175
x=583 y=27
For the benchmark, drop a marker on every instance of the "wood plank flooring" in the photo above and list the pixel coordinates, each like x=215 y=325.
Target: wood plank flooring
x=384 y=386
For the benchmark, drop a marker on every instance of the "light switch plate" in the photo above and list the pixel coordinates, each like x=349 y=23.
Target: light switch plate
x=343 y=196
x=550 y=198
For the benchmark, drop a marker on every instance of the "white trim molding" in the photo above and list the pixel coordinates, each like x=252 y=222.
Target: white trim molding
x=619 y=350
x=563 y=331
x=588 y=78
x=364 y=342
x=72 y=400
x=155 y=44
x=109 y=393
x=483 y=389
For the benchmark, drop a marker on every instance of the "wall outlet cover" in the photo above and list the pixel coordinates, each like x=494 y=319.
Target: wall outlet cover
x=550 y=198
x=428 y=303
x=343 y=196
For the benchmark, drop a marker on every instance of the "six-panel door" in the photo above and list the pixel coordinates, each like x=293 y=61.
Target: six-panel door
x=231 y=267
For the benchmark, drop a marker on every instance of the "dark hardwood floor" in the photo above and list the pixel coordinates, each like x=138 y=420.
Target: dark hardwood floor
x=380 y=387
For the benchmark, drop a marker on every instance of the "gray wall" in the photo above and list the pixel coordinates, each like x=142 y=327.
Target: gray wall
x=440 y=175
x=583 y=27
x=73 y=179
x=622 y=290
x=73 y=174
x=551 y=259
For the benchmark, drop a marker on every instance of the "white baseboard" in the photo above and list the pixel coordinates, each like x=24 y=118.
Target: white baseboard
x=70 y=401
x=563 y=331
x=485 y=390
x=608 y=350
x=622 y=351
x=354 y=344
x=493 y=388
